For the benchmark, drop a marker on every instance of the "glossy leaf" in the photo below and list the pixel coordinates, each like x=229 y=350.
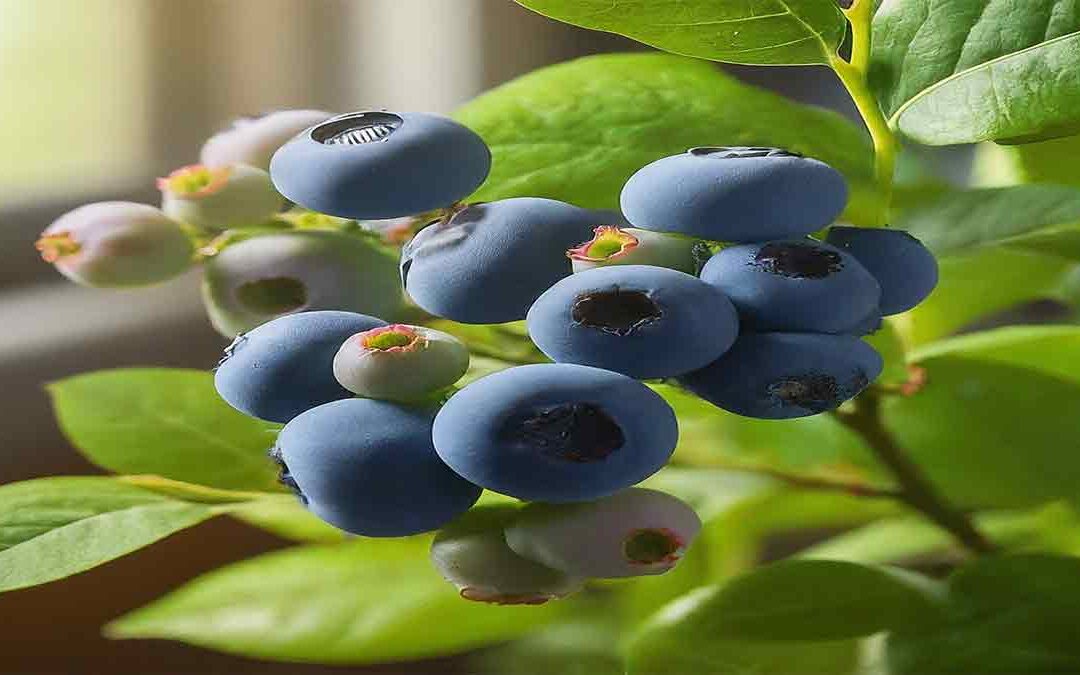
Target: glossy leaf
x=679 y=640
x=1015 y=614
x=1052 y=161
x=284 y=516
x=1055 y=528
x=757 y=32
x=993 y=425
x=165 y=422
x=978 y=69
x=366 y=601
x=578 y=130
x=51 y=528
x=1039 y=218
x=815 y=600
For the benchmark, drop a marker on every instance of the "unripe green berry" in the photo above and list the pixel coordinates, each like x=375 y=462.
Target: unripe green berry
x=399 y=362
x=472 y=554
x=632 y=533
x=116 y=244
x=613 y=245
x=258 y=279
x=220 y=198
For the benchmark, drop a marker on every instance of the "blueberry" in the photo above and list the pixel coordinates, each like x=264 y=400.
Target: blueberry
x=555 y=432
x=116 y=244
x=642 y=321
x=375 y=165
x=255 y=280
x=254 y=140
x=906 y=270
x=219 y=198
x=613 y=245
x=632 y=533
x=472 y=554
x=286 y=366
x=785 y=375
x=868 y=325
x=796 y=285
x=489 y=262
x=368 y=467
x=400 y=362
x=735 y=194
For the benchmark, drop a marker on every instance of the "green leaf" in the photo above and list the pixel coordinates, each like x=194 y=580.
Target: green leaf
x=815 y=447
x=755 y=32
x=1039 y=218
x=1054 y=528
x=1006 y=404
x=165 y=422
x=679 y=640
x=284 y=516
x=1015 y=614
x=52 y=528
x=979 y=284
x=979 y=70
x=578 y=130
x=576 y=647
x=1051 y=161
x=815 y=600
x=366 y=601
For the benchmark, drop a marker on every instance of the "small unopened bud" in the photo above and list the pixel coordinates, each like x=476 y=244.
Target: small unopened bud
x=220 y=197
x=400 y=362
x=115 y=244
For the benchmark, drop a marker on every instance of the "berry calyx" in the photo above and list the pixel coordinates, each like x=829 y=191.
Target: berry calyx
x=609 y=241
x=619 y=311
x=273 y=295
x=652 y=546
x=56 y=245
x=394 y=338
x=195 y=181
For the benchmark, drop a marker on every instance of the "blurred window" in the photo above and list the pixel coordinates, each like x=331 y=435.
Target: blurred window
x=74 y=76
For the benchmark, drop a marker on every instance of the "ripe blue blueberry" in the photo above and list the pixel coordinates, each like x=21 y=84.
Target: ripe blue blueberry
x=258 y=279
x=631 y=533
x=472 y=554
x=400 y=362
x=794 y=285
x=116 y=244
x=785 y=375
x=906 y=270
x=368 y=467
x=735 y=194
x=642 y=321
x=491 y=261
x=286 y=366
x=375 y=165
x=220 y=198
x=613 y=245
x=254 y=140
x=556 y=432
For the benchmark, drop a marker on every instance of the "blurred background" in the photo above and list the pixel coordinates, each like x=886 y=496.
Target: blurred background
x=99 y=97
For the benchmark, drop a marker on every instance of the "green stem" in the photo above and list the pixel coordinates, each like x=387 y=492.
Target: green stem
x=916 y=490
x=853 y=76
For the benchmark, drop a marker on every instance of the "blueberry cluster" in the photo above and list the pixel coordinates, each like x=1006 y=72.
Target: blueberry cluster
x=710 y=278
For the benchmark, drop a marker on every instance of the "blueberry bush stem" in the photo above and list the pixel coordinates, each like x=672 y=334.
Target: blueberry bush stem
x=853 y=75
x=915 y=488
